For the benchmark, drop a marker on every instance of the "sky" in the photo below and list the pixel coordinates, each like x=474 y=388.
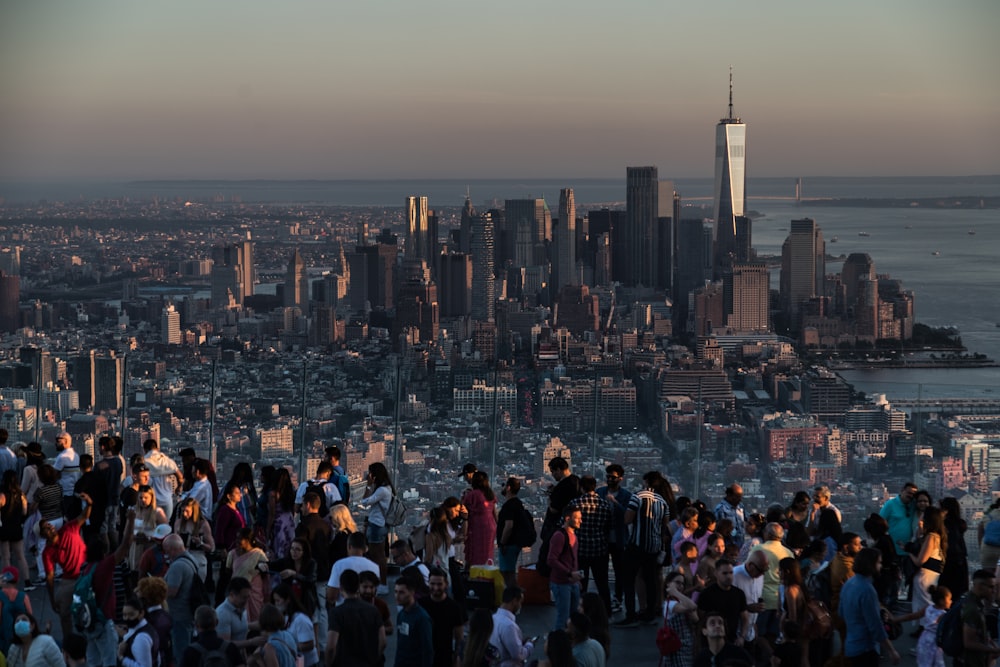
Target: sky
x=123 y=90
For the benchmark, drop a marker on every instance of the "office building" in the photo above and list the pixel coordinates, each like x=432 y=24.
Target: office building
x=417 y=244
x=730 y=181
x=455 y=293
x=565 y=264
x=803 y=268
x=481 y=243
x=528 y=225
x=233 y=273
x=297 y=284
x=746 y=290
x=640 y=236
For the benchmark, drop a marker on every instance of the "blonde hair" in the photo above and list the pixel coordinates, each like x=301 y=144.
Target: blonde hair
x=146 y=514
x=340 y=517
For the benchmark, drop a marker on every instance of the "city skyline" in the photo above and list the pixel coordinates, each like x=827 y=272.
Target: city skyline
x=110 y=91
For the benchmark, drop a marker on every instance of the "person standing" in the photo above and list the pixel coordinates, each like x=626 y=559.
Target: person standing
x=618 y=498
x=512 y=514
x=647 y=517
x=161 y=469
x=482 y=505
x=718 y=651
x=898 y=513
x=180 y=580
x=65 y=549
x=724 y=598
x=749 y=578
x=860 y=611
x=109 y=470
x=775 y=552
x=566 y=489
x=356 y=635
x=67 y=463
x=731 y=507
x=8 y=460
x=929 y=561
x=978 y=648
x=594 y=537
x=447 y=619
x=414 y=636
x=379 y=492
x=355 y=560
x=208 y=640
x=564 y=580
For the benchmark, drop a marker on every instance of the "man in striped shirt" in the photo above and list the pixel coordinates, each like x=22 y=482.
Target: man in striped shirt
x=647 y=516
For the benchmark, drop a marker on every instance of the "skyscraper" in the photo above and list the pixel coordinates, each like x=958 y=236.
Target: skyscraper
x=417 y=243
x=746 y=288
x=170 y=325
x=640 y=236
x=232 y=271
x=483 y=278
x=566 y=241
x=297 y=284
x=730 y=181
x=10 y=297
x=529 y=226
x=803 y=267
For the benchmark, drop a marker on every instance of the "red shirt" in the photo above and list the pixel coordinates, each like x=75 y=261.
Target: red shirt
x=69 y=552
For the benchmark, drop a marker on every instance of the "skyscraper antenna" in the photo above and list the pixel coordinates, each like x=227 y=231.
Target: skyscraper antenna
x=730 y=92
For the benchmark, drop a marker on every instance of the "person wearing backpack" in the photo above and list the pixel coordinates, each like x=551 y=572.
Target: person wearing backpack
x=208 y=649
x=181 y=588
x=512 y=530
x=279 y=648
x=323 y=486
x=861 y=612
x=978 y=649
x=339 y=475
x=12 y=602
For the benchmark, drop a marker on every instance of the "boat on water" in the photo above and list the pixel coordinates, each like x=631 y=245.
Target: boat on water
x=833 y=240
x=936 y=253
x=863 y=234
x=972 y=232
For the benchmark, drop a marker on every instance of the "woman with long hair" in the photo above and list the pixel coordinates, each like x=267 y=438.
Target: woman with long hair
x=298 y=570
x=931 y=557
x=755 y=534
x=478 y=650
x=242 y=478
x=921 y=501
x=558 y=650
x=47 y=501
x=482 y=505
x=798 y=511
x=249 y=561
x=299 y=622
x=829 y=530
x=379 y=492
x=593 y=608
x=281 y=514
x=955 y=575
x=343 y=526
x=229 y=519
x=31 y=647
x=13 y=512
x=196 y=532
x=793 y=607
x=147 y=517
x=706 y=526
x=887 y=581
x=438 y=540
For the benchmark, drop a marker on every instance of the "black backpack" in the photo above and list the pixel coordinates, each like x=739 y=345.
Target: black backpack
x=524 y=531
x=198 y=596
x=320 y=490
x=949 y=630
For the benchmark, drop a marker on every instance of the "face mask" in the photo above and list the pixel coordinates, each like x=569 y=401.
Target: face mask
x=132 y=622
x=22 y=628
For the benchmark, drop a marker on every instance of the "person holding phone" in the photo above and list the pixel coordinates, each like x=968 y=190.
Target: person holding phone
x=506 y=637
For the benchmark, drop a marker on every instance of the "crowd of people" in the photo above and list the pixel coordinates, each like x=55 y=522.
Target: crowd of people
x=152 y=562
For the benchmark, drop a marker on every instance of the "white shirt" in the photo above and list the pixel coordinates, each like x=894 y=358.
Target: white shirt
x=329 y=488
x=754 y=590
x=142 y=647
x=201 y=491
x=507 y=639
x=161 y=469
x=68 y=463
x=357 y=563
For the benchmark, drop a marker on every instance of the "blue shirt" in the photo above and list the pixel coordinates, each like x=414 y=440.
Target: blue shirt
x=899 y=517
x=859 y=607
x=414 y=639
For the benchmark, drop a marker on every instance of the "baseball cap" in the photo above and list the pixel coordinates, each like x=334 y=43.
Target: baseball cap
x=467 y=469
x=161 y=531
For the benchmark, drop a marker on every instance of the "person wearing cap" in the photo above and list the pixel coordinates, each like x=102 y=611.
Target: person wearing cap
x=8 y=460
x=468 y=470
x=189 y=465
x=154 y=561
x=68 y=464
x=12 y=600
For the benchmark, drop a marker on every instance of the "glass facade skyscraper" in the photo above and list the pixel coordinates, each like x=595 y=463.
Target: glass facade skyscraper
x=730 y=181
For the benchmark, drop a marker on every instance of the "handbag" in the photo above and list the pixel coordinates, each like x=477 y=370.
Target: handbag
x=668 y=641
x=818 y=622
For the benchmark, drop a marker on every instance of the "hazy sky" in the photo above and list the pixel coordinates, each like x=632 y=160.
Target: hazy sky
x=103 y=89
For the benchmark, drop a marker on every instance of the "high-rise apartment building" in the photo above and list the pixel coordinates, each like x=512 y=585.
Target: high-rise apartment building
x=803 y=267
x=481 y=244
x=730 y=181
x=99 y=380
x=170 y=325
x=455 y=293
x=10 y=298
x=297 y=284
x=640 y=235
x=565 y=264
x=857 y=267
